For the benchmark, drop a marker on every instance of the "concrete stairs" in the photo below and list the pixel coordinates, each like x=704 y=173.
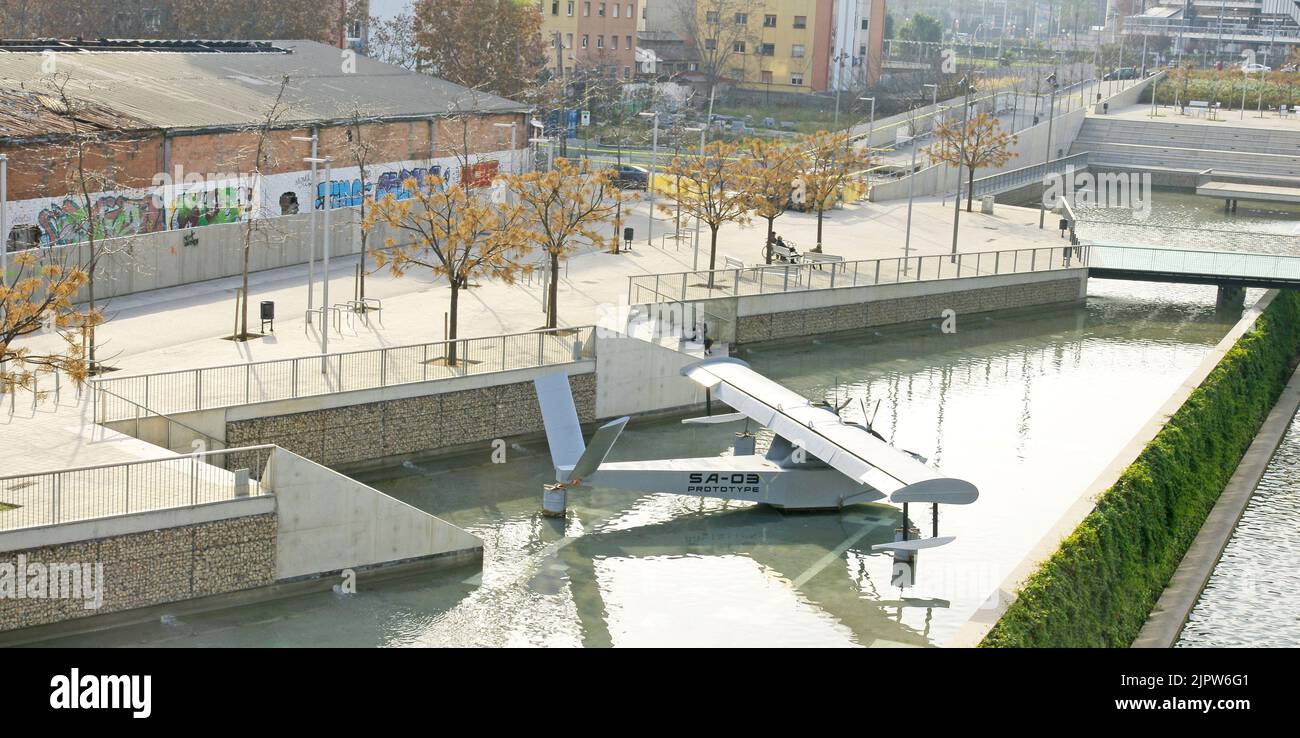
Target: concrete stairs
x=1190 y=146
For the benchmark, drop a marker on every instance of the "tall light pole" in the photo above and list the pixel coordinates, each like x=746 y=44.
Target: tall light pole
x=314 y=138
x=325 y=265
x=967 y=83
x=514 y=155
x=4 y=220
x=871 y=126
x=695 y=261
x=654 y=168
x=1051 y=113
x=911 y=179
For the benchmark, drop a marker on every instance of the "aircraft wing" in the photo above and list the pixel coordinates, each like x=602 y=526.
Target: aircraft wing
x=848 y=448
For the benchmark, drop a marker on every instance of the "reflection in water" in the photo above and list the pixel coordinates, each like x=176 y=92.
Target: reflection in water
x=1027 y=405
x=1253 y=596
x=1183 y=220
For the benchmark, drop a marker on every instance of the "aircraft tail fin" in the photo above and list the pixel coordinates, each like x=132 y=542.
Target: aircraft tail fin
x=601 y=443
x=560 y=417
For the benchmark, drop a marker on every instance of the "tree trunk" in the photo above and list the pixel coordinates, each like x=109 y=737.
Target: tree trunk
x=713 y=252
x=552 y=312
x=771 y=238
x=451 y=321
x=970 y=188
x=818 y=247
x=243 y=303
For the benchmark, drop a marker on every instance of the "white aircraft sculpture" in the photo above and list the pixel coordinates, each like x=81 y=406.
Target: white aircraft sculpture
x=816 y=460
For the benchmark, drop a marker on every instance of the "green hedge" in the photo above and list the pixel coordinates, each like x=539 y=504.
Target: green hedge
x=1099 y=586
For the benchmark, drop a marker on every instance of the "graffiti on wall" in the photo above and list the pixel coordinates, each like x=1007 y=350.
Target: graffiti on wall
x=346 y=193
x=210 y=207
x=114 y=216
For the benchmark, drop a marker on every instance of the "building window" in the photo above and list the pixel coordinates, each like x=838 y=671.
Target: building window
x=769 y=21
x=738 y=47
x=600 y=42
x=629 y=42
x=568 y=40
x=630 y=13
x=555 y=7
x=711 y=17
x=801 y=21
x=866 y=24
x=710 y=43
x=613 y=40
x=742 y=19
x=862 y=50
x=796 y=51
x=615 y=10
x=600 y=10
x=570 y=7
x=627 y=72
x=767 y=78
x=584 y=40
x=767 y=50
x=586 y=9
x=796 y=78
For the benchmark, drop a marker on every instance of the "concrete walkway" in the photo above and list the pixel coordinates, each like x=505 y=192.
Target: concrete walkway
x=181 y=328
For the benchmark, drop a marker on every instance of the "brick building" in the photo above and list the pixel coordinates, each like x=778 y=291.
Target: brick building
x=169 y=131
x=599 y=35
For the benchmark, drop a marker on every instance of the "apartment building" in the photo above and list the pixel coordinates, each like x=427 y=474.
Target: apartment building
x=791 y=46
x=596 y=36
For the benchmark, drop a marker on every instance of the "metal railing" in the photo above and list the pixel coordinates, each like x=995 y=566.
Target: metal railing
x=89 y=492
x=761 y=280
x=1201 y=263
x=1032 y=174
x=187 y=390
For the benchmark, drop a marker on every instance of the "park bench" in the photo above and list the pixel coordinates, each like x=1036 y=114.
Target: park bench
x=784 y=253
x=812 y=257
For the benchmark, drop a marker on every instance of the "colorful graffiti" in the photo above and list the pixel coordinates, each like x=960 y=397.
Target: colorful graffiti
x=114 y=216
x=346 y=193
x=210 y=207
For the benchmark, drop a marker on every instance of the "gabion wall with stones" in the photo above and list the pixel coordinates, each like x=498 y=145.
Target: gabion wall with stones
x=414 y=425
x=152 y=568
x=794 y=323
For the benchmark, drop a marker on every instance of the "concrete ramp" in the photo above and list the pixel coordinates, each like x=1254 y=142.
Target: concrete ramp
x=328 y=522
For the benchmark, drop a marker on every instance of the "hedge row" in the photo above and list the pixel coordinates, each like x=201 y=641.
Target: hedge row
x=1225 y=88
x=1098 y=588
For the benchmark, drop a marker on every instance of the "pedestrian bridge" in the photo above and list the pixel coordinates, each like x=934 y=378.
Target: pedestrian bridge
x=1151 y=264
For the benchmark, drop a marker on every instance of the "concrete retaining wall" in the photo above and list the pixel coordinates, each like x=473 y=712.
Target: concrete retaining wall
x=358 y=430
x=152 y=567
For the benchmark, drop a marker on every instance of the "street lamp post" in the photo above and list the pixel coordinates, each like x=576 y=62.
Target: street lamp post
x=514 y=155
x=1051 y=112
x=911 y=180
x=325 y=266
x=654 y=168
x=314 y=138
x=961 y=155
x=695 y=260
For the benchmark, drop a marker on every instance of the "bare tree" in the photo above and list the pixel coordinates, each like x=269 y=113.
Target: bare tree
x=253 y=220
x=722 y=32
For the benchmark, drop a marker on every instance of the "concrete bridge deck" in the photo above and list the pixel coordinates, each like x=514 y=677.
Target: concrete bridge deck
x=1257 y=192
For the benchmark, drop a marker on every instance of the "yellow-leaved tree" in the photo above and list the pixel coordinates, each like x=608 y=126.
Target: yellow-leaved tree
x=454 y=231
x=40 y=329
x=712 y=188
x=829 y=162
x=562 y=209
x=985 y=145
x=768 y=170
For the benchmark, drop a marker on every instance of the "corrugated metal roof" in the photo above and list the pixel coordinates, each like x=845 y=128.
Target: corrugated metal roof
x=160 y=89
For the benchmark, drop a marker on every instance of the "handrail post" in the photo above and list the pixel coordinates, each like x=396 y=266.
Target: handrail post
x=383 y=367
x=503 y=353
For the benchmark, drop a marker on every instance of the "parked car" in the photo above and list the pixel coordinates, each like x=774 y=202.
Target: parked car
x=630 y=177
x=1252 y=68
x=1121 y=73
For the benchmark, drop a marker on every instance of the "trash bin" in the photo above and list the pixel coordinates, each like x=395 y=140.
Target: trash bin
x=986 y=205
x=268 y=314
x=627 y=238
